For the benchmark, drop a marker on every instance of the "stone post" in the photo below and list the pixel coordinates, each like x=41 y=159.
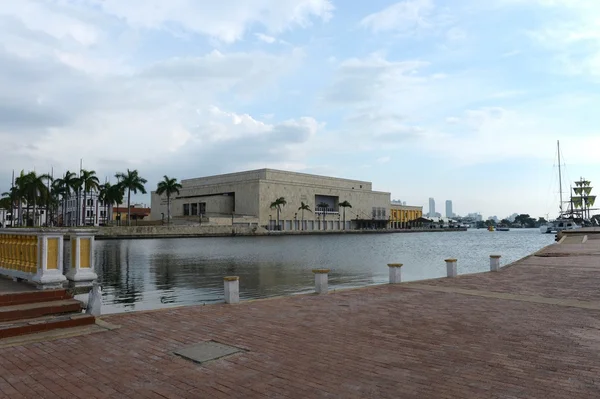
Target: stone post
x=451 y=267
x=81 y=266
x=232 y=289
x=395 y=274
x=494 y=263
x=49 y=273
x=94 y=303
x=321 y=280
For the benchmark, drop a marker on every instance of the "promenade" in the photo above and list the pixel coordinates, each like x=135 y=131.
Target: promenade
x=531 y=330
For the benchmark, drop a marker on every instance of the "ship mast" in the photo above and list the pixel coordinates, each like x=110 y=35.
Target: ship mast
x=559 y=178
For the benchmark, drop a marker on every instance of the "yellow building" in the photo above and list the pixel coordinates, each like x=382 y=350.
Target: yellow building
x=402 y=216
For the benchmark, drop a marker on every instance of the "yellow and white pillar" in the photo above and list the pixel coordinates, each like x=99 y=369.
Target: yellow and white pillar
x=81 y=265
x=49 y=260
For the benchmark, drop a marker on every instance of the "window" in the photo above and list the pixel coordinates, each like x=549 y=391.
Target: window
x=202 y=208
x=102 y=213
x=88 y=213
x=90 y=202
x=194 y=209
x=186 y=209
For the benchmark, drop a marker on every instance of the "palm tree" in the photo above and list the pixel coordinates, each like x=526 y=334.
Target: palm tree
x=35 y=190
x=277 y=204
x=19 y=193
x=12 y=195
x=132 y=182
x=303 y=207
x=102 y=191
x=114 y=195
x=324 y=206
x=69 y=184
x=345 y=205
x=90 y=183
x=168 y=186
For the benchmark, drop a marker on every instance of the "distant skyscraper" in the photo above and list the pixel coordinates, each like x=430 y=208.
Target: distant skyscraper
x=431 y=207
x=449 y=213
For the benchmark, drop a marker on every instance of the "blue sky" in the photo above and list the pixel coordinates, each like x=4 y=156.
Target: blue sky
x=460 y=100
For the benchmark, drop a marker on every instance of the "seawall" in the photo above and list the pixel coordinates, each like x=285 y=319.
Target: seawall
x=141 y=232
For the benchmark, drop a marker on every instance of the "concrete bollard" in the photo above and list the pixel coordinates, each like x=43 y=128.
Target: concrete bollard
x=494 y=263
x=321 y=280
x=94 y=303
x=395 y=274
x=232 y=289
x=451 y=267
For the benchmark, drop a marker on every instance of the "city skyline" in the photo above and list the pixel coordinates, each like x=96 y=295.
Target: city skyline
x=459 y=99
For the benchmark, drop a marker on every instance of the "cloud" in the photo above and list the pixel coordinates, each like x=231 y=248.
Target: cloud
x=226 y=21
x=265 y=38
x=413 y=18
x=59 y=104
x=571 y=30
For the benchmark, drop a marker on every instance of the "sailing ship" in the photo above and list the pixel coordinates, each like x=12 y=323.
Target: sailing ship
x=580 y=206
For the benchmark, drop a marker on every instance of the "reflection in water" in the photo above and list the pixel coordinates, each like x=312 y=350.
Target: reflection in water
x=149 y=274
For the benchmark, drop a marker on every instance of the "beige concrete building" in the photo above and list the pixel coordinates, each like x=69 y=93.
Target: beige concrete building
x=246 y=198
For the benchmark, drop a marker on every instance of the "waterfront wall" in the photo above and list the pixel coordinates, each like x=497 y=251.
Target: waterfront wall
x=125 y=232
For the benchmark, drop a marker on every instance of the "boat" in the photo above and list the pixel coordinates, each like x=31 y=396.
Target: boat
x=578 y=213
x=491 y=228
x=502 y=228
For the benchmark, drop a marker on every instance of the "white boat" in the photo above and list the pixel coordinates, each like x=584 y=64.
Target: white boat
x=559 y=225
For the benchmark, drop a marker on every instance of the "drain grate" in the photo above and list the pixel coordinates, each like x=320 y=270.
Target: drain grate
x=207 y=351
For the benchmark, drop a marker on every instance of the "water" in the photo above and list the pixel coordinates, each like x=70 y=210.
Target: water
x=151 y=274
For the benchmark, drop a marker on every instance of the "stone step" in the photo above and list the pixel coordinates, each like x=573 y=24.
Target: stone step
x=46 y=323
x=39 y=309
x=20 y=298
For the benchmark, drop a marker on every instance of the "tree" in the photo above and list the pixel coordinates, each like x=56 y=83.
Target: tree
x=277 y=204
x=132 y=182
x=69 y=184
x=89 y=182
x=303 y=207
x=35 y=191
x=525 y=220
x=168 y=186
x=345 y=205
x=505 y=222
x=114 y=195
x=324 y=206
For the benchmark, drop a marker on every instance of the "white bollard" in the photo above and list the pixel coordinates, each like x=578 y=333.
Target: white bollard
x=451 y=267
x=494 y=263
x=321 y=280
x=395 y=275
x=94 y=304
x=232 y=289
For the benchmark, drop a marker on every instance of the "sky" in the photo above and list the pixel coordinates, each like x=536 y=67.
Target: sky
x=452 y=99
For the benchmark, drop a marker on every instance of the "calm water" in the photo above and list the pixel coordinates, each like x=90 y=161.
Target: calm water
x=150 y=274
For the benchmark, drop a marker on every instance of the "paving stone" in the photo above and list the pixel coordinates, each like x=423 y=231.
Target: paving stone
x=207 y=351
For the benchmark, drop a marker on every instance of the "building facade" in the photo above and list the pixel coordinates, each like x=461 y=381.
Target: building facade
x=431 y=207
x=404 y=216
x=92 y=211
x=449 y=213
x=249 y=196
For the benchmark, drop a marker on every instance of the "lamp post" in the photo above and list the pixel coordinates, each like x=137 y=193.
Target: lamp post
x=295 y=221
x=269 y=222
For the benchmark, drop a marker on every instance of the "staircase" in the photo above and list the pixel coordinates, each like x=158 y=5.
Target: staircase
x=38 y=311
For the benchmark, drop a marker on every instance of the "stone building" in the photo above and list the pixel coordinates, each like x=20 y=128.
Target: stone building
x=404 y=216
x=246 y=198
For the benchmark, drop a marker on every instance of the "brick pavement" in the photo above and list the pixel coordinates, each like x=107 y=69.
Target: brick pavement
x=387 y=341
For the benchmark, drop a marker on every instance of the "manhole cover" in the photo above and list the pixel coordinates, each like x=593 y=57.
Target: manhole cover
x=207 y=351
